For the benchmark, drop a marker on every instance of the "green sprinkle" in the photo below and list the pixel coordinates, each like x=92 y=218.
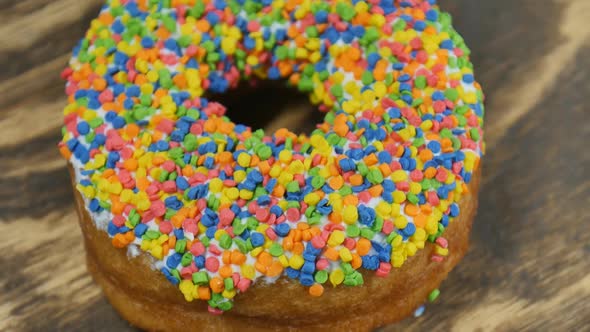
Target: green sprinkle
x=433 y=295
x=367 y=233
x=275 y=250
x=200 y=278
x=152 y=235
x=353 y=231
x=420 y=82
x=187 y=258
x=451 y=94
x=228 y=283
x=321 y=276
x=225 y=241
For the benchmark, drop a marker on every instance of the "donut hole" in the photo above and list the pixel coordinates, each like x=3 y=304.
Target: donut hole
x=270 y=105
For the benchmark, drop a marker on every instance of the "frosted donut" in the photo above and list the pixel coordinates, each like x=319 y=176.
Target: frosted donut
x=187 y=215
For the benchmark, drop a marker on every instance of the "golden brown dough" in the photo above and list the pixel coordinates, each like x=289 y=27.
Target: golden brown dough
x=145 y=298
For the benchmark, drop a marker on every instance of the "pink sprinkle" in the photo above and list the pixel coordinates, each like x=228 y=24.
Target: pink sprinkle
x=186 y=273
x=235 y=278
x=293 y=214
x=252 y=207
x=165 y=126
x=158 y=208
x=441 y=175
x=349 y=243
x=214 y=250
x=244 y=284
x=432 y=80
x=439 y=106
x=457 y=167
x=169 y=187
x=271 y=234
x=212 y=264
x=66 y=73
x=395 y=165
x=226 y=216
x=197 y=249
x=147 y=216
x=387 y=227
x=416 y=175
x=317 y=242
x=262 y=214
x=169 y=166
x=364 y=196
x=253 y=26
x=152 y=189
x=433 y=198
x=191 y=50
x=322 y=264
x=190 y=226
x=119 y=221
x=381 y=273
x=437 y=258
x=71 y=88
x=106 y=96
x=403 y=186
x=214 y=311
x=166 y=227
x=441 y=241
x=422 y=57
x=201 y=204
x=385 y=266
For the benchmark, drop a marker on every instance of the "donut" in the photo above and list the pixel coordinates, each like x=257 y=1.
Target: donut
x=192 y=221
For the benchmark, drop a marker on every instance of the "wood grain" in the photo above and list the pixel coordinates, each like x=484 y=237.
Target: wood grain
x=528 y=267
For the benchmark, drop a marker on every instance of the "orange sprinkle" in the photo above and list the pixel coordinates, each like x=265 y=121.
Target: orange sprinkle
x=412 y=210
x=336 y=182
x=216 y=285
x=226 y=271
x=316 y=290
x=363 y=246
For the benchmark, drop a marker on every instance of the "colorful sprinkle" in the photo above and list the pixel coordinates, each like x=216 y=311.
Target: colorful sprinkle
x=219 y=205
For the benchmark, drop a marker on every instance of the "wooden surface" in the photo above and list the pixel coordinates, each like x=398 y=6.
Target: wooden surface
x=528 y=267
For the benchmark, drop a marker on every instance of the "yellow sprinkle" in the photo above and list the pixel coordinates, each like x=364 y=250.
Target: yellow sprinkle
x=383 y=209
x=350 y=214
x=336 y=277
x=239 y=176
x=229 y=294
x=345 y=255
x=296 y=262
x=399 y=196
x=441 y=251
x=256 y=252
x=399 y=175
x=215 y=185
x=336 y=238
x=311 y=198
x=156 y=251
x=400 y=222
x=246 y=194
x=248 y=271
x=285 y=156
x=283 y=259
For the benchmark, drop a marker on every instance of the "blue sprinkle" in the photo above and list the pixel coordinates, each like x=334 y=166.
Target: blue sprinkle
x=292 y=273
x=282 y=230
x=83 y=128
x=173 y=261
x=256 y=239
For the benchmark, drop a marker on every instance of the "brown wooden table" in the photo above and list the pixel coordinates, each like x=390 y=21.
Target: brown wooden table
x=529 y=265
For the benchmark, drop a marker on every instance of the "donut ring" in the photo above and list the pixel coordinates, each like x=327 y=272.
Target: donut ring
x=218 y=206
